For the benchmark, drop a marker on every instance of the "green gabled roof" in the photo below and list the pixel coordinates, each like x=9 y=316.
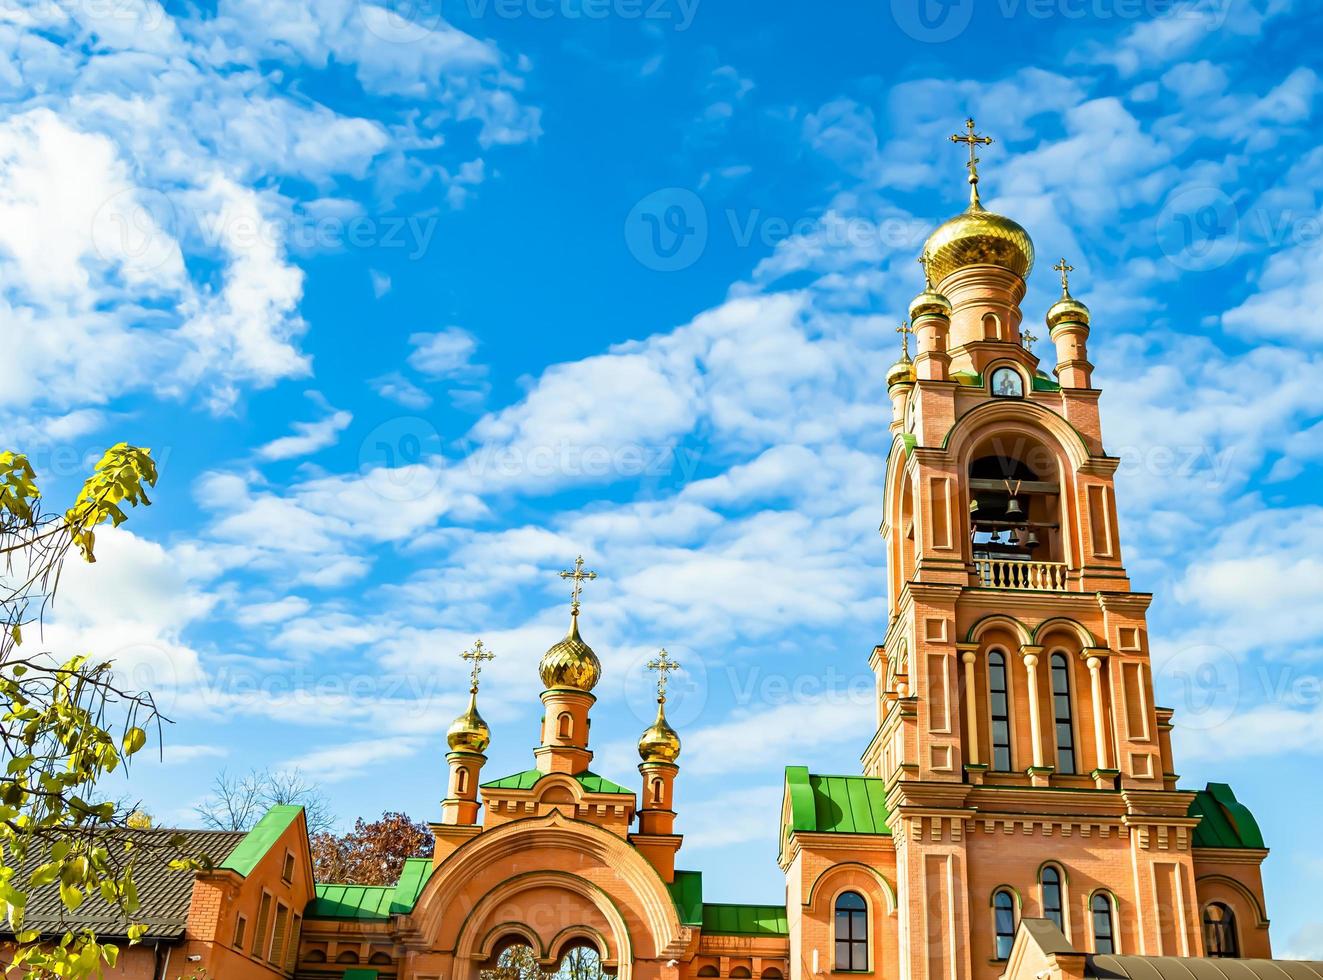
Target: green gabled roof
x=745 y=920
x=1225 y=821
x=377 y=902
x=687 y=893
x=529 y=778
x=259 y=840
x=836 y=804
x=970 y=379
x=1043 y=383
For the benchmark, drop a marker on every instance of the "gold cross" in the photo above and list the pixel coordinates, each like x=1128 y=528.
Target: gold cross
x=927 y=276
x=905 y=330
x=476 y=657
x=663 y=665
x=1065 y=271
x=1028 y=340
x=579 y=576
x=974 y=141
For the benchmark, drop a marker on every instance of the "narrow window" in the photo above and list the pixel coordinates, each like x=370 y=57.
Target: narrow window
x=565 y=725
x=657 y=791
x=295 y=933
x=999 y=702
x=851 y=932
x=1061 y=712
x=263 y=917
x=277 y=953
x=1003 y=922
x=461 y=781
x=240 y=927
x=287 y=872
x=1050 y=880
x=1220 y=938
x=1104 y=926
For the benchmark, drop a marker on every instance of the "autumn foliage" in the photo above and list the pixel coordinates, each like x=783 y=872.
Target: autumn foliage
x=373 y=853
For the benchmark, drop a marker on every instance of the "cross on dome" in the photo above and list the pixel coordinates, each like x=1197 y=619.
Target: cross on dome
x=476 y=658
x=579 y=576
x=663 y=665
x=974 y=141
x=1065 y=269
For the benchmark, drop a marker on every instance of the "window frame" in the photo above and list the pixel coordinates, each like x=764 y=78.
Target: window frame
x=1001 y=369
x=1069 y=720
x=993 y=717
x=1228 y=926
x=287 y=867
x=1109 y=901
x=240 y=931
x=857 y=935
x=1061 y=920
x=998 y=936
x=260 y=937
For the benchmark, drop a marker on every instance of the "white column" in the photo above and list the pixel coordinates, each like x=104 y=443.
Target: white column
x=971 y=705
x=1035 y=719
x=1099 y=720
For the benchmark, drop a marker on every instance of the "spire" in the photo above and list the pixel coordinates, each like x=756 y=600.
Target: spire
x=974 y=141
x=572 y=662
x=1065 y=269
x=660 y=743
x=468 y=732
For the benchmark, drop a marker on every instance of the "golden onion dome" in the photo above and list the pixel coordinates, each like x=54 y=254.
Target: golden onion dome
x=929 y=302
x=1067 y=310
x=659 y=743
x=468 y=732
x=901 y=373
x=571 y=663
x=979 y=237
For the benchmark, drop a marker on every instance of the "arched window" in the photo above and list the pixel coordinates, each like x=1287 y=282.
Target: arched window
x=461 y=780
x=565 y=725
x=1061 y=711
x=658 y=790
x=1049 y=881
x=1007 y=383
x=740 y=973
x=1104 y=924
x=851 y=932
x=1003 y=922
x=999 y=707
x=1220 y=937
x=708 y=971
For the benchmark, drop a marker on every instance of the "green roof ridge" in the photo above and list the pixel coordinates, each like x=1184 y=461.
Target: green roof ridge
x=1224 y=820
x=258 y=841
x=737 y=919
x=529 y=778
x=836 y=804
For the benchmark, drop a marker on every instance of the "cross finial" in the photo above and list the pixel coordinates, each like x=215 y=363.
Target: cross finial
x=905 y=330
x=927 y=276
x=1065 y=269
x=476 y=658
x=975 y=141
x=579 y=576
x=663 y=665
x=1028 y=340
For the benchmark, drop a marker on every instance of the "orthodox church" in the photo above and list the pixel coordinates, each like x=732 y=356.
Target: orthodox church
x=1017 y=812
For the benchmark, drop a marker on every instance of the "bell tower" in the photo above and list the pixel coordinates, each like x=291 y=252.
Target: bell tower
x=1016 y=719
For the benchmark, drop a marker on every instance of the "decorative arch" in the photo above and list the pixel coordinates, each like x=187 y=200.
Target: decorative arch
x=1012 y=891
x=993 y=620
x=1078 y=629
x=571 y=936
x=1011 y=415
x=1260 y=915
x=470 y=880
x=499 y=935
x=888 y=892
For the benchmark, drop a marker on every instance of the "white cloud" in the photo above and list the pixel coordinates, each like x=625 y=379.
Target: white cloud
x=399 y=389
x=309 y=437
x=445 y=354
x=342 y=762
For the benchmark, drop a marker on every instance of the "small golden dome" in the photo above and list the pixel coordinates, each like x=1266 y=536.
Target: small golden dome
x=1067 y=310
x=571 y=663
x=979 y=237
x=659 y=743
x=468 y=732
x=928 y=302
x=901 y=373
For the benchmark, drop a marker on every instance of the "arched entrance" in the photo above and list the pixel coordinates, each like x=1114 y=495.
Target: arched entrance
x=516 y=959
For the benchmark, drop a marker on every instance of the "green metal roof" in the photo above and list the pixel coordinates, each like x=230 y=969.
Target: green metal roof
x=836 y=804
x=529 y=778
x=687 y=893
x=377 y=902
x=1043 y=383
x=259 y=840
x=1226 y=822
x=360 y=974
x=745 y=920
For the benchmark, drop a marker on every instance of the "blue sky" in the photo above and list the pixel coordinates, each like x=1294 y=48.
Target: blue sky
x=415 y=303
